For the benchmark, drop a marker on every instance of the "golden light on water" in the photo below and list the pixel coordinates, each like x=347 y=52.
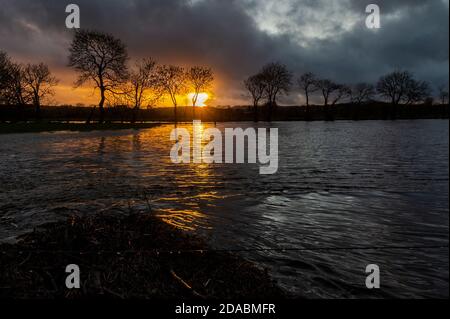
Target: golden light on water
x=201 y=100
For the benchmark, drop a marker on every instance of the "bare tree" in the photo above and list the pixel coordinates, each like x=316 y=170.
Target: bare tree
x=277 y=80
x=394 y=86
x=143 y=85
x=417 y=91
x=362 y=92
x=199 y=79
x=17 y=93
x=341 y=92
x=307 y=83
x=443 y=94
x=39 y=83
x=5 y=77
x=12 y=85
x=101 y=59
x=142 y=78
x=256 y=87
x=327 y=88
x=172 y=81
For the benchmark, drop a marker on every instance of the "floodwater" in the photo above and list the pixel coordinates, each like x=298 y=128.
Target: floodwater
x=378 y=184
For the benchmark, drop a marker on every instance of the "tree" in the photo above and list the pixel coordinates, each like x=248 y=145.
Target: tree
x=17 y=93
x=277 y=80
x=394 y=86
x=5 y=76
x=362 y=92
x=171 y=79
x=327 y=88
x=307 y=83
x=417 y=91
x=443 y=94
x=199 y=80
x=39 y=83
x=99 y=58
x=341 y=92
x=12 y=86
x=142 y=80
x=256 y=87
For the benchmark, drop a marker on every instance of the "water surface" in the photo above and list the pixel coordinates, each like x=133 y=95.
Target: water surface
x=341 y=184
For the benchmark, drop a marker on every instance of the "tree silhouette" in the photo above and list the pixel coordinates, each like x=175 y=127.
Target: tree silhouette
x=99 y=58
x=172 y=81
x=394 y=86
x=307 y=83
x=143 y=79
x=257 y=88
x=12 y=85
x=443 y=94
x=362 y=92
x=39 y=83
x=401 y=87
x=417 y=91
x=277 y=80
x=5 y=77
x=341 y=92
x=18 y=95
x=326 y=87
x=199 y=80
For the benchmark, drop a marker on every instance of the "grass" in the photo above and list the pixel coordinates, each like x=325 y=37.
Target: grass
x=137 y=257
x=36 y=127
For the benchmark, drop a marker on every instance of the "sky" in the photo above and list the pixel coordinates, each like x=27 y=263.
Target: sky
x=237 y=37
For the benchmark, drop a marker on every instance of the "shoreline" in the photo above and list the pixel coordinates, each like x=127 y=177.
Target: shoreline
x=43 y=127
x=137 y=257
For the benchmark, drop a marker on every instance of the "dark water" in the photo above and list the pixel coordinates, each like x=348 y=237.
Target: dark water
x=339 y=184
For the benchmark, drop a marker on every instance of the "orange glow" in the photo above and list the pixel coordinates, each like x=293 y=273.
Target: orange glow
x=201 y=100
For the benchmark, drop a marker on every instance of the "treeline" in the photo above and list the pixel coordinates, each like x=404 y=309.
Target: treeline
x=396 y=88
x=21 y=85
x=122 y=114
x=102 y=61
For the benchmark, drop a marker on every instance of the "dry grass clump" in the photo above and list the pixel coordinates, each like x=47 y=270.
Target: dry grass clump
x=137 y=257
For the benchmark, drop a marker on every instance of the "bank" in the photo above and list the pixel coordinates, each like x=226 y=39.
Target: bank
x=131 y=257
x=36 y=127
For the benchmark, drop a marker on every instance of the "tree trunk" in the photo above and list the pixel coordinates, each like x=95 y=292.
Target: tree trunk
x=308 y=113
x=329 y=116
x=101 y=106
x=135 y=114
x=91 y=114
x=194 y=104
x=37 y=106
x=175 y=113
x=38 y=111
x=269 y=112
x=255 y=112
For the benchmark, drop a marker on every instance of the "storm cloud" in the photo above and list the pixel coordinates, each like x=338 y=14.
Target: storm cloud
x=236 y=37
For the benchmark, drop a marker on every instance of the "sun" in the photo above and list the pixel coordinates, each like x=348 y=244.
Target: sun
x=201 y=100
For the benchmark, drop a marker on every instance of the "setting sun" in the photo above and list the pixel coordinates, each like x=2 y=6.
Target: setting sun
x=201 y=100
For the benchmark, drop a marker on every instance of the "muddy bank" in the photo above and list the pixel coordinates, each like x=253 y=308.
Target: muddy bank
x=136 y=257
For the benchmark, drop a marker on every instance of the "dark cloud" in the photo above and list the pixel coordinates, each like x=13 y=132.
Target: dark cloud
x=237 y=37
